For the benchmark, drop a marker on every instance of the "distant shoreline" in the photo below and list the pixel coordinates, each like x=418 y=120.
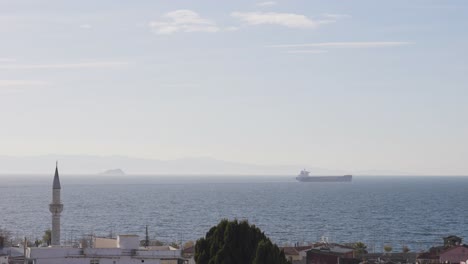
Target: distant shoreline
x=215 y=175
x=93 y=179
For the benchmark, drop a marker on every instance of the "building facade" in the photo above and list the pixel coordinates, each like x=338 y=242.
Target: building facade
x=456 y=254
x=124 y=249
x=331 y=255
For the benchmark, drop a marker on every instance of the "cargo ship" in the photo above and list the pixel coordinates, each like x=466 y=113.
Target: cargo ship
x=305 y=177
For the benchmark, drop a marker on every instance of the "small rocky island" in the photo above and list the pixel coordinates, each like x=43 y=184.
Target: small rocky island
x=113 y=172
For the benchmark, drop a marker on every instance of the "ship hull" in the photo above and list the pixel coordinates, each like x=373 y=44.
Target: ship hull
x=345 y=178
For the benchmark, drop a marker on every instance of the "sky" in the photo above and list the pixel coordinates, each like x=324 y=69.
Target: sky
x=349 y=85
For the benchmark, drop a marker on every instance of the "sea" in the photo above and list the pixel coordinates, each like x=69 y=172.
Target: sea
x=399 y=211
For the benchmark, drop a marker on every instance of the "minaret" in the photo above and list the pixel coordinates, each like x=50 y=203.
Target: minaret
x=147 y=242
x=56 y=207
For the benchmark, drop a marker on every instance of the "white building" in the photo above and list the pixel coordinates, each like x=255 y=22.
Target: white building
x=3 y=259
x=123 y=250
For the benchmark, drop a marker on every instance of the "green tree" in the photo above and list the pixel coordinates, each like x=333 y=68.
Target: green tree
x=47 y=237
x=388 y=248
x=174 y=245
x=268 y=253
x=359 y=249
x=234 y=242
x=37 y=242
x=188 y=244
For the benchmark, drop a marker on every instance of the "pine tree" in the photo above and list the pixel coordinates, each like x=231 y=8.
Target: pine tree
x=234 y=242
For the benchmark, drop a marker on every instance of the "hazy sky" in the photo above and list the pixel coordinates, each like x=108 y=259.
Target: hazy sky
x=334 y=84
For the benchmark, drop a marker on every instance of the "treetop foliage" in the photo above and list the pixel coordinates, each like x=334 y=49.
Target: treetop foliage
x=234 y=242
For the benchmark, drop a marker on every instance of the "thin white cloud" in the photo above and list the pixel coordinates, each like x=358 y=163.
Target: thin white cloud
x=307 y=51
x=98 y=64
x=183 y=21
x=231 y=29
x=335 y=16
x=328 y=18
x=370 y=44
x=16 y=83
x=266 y=3
x=7 y=60
x=86 y=26
x=272 y=18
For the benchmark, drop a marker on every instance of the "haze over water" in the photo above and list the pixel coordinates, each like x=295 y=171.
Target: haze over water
x=414 y=211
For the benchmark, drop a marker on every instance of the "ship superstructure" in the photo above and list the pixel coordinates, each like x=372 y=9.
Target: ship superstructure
x=304 y=176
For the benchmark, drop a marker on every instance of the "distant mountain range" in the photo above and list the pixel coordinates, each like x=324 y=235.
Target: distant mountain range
x=89 y=164
x=113 y=172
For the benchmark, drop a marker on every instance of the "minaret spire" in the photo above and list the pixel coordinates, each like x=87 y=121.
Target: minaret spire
x=56 y=184
x=56 y=207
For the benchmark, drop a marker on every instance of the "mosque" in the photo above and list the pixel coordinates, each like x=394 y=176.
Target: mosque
x=125 y=249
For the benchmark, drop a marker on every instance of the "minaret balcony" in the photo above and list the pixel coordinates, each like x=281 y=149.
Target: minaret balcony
x=56 y=208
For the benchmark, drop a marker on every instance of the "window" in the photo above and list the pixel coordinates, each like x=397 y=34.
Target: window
x=94 y=261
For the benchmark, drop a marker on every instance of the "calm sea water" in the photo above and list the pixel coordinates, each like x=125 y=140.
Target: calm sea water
x=414 y=211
